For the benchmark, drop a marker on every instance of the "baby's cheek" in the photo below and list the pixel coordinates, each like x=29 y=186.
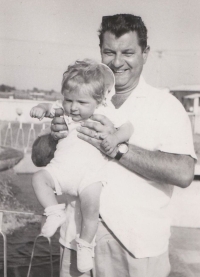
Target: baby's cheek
x=66 y=109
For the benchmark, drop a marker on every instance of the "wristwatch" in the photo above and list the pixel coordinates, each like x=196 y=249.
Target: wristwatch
x=122 y=149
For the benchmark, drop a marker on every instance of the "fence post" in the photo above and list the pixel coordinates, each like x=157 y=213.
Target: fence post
x=4 y=245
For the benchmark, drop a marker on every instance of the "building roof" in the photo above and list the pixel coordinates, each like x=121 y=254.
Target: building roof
x=192 y=96
x=186 y=88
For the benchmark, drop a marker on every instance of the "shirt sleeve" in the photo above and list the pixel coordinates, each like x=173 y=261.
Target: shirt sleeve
x=175 y=132
x=55 y=105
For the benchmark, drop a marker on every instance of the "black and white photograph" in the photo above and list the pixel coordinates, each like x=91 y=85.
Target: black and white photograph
x=116 y=85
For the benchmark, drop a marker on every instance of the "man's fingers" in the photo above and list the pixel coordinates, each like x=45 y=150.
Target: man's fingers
x=101 y=124
x=97 y=143
x=92 y=141
x=58 y=120
x=58 y=135
x=96 y=126
x=59 y=127
x=88 y=132
x=102 y=119
x=59 y=112
x=58 y=124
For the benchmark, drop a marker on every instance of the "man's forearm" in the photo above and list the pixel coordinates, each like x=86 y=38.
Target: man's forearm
x=158 y=166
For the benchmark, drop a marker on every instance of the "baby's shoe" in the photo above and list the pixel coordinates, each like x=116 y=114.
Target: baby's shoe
x=56 y=216
x=85 y=254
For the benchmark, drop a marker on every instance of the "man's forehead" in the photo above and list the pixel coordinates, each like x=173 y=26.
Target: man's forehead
x=127 y=40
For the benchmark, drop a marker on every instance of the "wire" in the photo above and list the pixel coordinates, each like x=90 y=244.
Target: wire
x=15 y=212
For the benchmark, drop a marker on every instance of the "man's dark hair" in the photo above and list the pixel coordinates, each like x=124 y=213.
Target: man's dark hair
x=120 y=24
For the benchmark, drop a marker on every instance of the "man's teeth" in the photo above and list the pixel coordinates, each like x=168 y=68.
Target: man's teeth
x=119 y=71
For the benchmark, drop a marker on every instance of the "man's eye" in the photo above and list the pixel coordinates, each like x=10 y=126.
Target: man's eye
x=128 y=54
x=109 y=53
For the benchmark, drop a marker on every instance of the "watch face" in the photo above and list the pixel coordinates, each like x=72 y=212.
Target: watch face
x=123 y=148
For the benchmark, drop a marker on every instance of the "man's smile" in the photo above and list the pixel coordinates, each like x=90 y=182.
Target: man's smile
x=119 y=71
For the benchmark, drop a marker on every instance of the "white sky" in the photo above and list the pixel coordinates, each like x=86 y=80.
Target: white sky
x=39 y=38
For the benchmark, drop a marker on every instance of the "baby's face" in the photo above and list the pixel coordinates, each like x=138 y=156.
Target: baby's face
x=78 y=105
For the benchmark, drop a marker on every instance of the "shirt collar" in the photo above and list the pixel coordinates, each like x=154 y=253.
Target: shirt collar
x=140 y=91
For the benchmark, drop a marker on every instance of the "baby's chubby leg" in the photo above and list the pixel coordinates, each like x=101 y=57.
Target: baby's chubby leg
x=43 y=185
x=90 y=201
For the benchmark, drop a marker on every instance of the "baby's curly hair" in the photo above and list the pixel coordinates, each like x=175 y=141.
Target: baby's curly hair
x=87 y=75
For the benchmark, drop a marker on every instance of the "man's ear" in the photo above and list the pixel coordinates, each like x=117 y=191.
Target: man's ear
x=146 y=53
x=100 y=51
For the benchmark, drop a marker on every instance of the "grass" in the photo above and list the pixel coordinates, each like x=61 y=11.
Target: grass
x=11 y=199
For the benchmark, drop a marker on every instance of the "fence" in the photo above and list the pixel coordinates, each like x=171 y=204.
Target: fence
x=20 y=135
x=195 y=122
x=33 y=249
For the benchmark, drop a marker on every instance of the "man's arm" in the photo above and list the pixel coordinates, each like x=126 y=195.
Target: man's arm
x=157 y=166
x=177 y=170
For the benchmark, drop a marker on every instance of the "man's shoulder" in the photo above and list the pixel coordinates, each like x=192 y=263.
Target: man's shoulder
x=161 y=101
x=160 y=94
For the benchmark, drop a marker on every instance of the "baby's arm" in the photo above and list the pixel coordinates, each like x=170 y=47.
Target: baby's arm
x=122 y=134
x=41 y=110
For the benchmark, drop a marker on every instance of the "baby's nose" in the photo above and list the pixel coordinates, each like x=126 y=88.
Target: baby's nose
x=74 y=106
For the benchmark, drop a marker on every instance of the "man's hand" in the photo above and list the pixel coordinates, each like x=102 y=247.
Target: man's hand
x=58 y=126
x=91 y=132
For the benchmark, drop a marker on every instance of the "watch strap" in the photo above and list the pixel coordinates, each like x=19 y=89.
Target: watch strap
x=118 y=156
x=119 y=153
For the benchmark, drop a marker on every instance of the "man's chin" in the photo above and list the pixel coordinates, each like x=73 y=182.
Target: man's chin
x=121 y=86
x=121 y=81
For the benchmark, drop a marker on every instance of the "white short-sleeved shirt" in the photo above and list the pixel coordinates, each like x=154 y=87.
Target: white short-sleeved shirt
x=137 y=214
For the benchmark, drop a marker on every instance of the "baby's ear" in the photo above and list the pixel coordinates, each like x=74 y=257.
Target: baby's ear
x=104 y=103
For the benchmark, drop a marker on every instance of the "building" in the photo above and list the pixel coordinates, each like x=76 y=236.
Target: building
x=189 y=96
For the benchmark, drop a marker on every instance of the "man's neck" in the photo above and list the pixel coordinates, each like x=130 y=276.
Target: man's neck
x=121 y=96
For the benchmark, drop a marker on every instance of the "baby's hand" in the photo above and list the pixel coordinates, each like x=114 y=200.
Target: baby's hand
x=108 y=143
x=38 y=112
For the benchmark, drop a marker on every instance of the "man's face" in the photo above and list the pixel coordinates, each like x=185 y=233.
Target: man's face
x=125 y=58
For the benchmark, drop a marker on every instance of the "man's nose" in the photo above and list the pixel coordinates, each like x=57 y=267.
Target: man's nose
x=118 y=61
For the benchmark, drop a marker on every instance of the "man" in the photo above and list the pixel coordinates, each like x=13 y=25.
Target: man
x=160 y=154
